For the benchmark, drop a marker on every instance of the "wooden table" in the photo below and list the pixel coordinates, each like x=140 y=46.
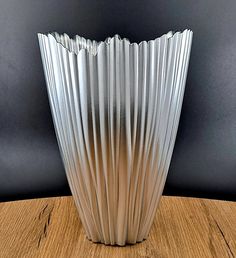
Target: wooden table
x=184 y=227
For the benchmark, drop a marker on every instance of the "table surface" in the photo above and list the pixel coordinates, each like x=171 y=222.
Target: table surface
x=183 y=227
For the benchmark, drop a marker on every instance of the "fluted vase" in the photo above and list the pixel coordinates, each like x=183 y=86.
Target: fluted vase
x=116 y=108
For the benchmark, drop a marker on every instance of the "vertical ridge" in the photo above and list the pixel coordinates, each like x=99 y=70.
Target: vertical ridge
x=111 y=97
x=127 y=130
x=134 y=116
x=102 y=66
x=143 y=86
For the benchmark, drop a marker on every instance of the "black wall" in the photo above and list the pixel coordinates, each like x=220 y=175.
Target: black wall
x=204 y=160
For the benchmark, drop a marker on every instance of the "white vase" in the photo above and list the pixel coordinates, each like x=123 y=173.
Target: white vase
x=116 y=108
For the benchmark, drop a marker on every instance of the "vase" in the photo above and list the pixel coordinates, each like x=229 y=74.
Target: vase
x=116 y=108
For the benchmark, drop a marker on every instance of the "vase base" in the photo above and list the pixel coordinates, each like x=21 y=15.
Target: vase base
x=117 y=244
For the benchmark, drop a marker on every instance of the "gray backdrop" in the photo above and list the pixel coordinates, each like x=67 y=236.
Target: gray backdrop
x=204 y=160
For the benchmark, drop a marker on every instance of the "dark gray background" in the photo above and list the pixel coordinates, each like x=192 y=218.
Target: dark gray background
x=204 y=160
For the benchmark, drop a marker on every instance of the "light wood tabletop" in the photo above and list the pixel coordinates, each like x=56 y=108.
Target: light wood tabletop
x=183 y=227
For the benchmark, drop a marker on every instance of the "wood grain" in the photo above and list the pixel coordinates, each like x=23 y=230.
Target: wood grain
x=183 y=227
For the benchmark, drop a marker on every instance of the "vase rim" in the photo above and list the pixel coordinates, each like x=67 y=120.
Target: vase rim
x=54 y=35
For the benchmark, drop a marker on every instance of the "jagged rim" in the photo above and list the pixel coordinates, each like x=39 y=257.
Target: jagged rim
x=108 y=40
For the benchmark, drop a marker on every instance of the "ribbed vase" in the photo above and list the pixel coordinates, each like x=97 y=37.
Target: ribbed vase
x=116 y=108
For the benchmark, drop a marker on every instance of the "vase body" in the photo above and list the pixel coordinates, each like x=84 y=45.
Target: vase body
x=116 y=108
